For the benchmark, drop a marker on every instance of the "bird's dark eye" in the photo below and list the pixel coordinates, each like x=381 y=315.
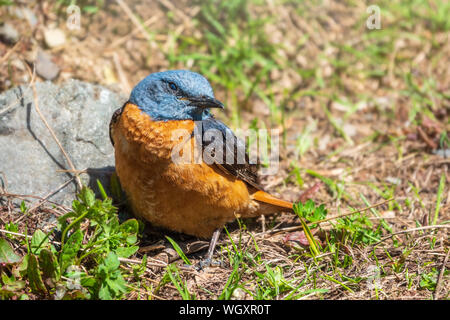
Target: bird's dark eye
x=172 y=86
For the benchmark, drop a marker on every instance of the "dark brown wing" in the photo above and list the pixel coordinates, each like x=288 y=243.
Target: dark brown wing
x=115 y=117
x=221 y=147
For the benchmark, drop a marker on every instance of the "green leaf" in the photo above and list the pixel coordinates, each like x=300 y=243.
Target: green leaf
x=111 y=262
x=87 y=196
x=131 y=239
x=70 y=249
x=23 y=266
x=117 y=284
x=125 y=252
x=88 y=282
x=7 y=254
x=116 y=190
x=5 y=2
x=112 y=284
x=39 y=241
x=11 y=227
x=102 y=190
x=11 y=284
x=130 y=226
x=49 y=265
x=23 y=207
x=104 y=293
x=312 y=242
x=90 y=9
x=34 y=274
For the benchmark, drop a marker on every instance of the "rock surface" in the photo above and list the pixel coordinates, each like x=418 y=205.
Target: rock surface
x=79 y=114
x=8 y=33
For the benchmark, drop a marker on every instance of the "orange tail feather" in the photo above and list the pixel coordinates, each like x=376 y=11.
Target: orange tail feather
x=267 y=198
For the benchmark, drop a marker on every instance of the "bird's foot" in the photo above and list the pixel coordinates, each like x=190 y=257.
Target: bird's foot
x=204 y=263
x=208 y=262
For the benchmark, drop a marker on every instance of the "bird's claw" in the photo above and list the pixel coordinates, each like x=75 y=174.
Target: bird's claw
x=208 y=262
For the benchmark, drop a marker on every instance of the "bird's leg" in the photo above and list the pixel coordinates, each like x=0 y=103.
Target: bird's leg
x=213 y=243
x=207 y=261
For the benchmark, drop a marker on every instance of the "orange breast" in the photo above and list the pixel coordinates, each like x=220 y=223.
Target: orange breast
x=193 y=198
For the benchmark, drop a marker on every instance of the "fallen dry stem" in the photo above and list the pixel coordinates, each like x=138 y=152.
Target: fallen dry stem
x=36 y=105
x=6 y=56
x=441 y=275
x=45 y=198
x=443 y=226
x=327 y=219
x=133 y=18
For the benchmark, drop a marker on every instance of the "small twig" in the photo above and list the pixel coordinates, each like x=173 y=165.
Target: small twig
x=12 y=105
x=133 y=18
x=427 y=140
x=161 y=264
x=391 y=64
x=73 y=171
x=353 y=212
x=157 y=283
x=412 y=230
x=123 y=78
x=169 y=6
x=325 y=220
x=23 y=196
x=147 y=23
x=24 y=235
x=15 y=233
x=36 y=105
x=142 y=291
x=263 y=223
x=309 y=193
x=152 y=247
x=158 y=263
x=441 y=275
x=6 y=56
x=45 y=198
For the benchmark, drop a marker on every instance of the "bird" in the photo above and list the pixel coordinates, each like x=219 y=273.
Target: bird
x=193 y=197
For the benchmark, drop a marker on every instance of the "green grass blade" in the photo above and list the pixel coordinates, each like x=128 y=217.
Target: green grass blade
x=439 y=197
x=178 y=250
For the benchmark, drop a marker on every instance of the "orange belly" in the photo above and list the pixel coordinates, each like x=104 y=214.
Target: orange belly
x=193 y=198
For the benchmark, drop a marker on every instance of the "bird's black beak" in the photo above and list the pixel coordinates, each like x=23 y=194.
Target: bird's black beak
x=205 y=102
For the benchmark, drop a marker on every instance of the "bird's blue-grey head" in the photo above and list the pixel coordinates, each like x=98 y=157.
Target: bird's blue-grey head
x=175 y=95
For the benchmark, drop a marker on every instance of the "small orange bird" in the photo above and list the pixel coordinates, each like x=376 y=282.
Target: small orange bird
x=192 y=197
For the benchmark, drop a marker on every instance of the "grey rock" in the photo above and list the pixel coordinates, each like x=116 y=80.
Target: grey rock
x=45 y=67
x=79 y=114
x=9 y=34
